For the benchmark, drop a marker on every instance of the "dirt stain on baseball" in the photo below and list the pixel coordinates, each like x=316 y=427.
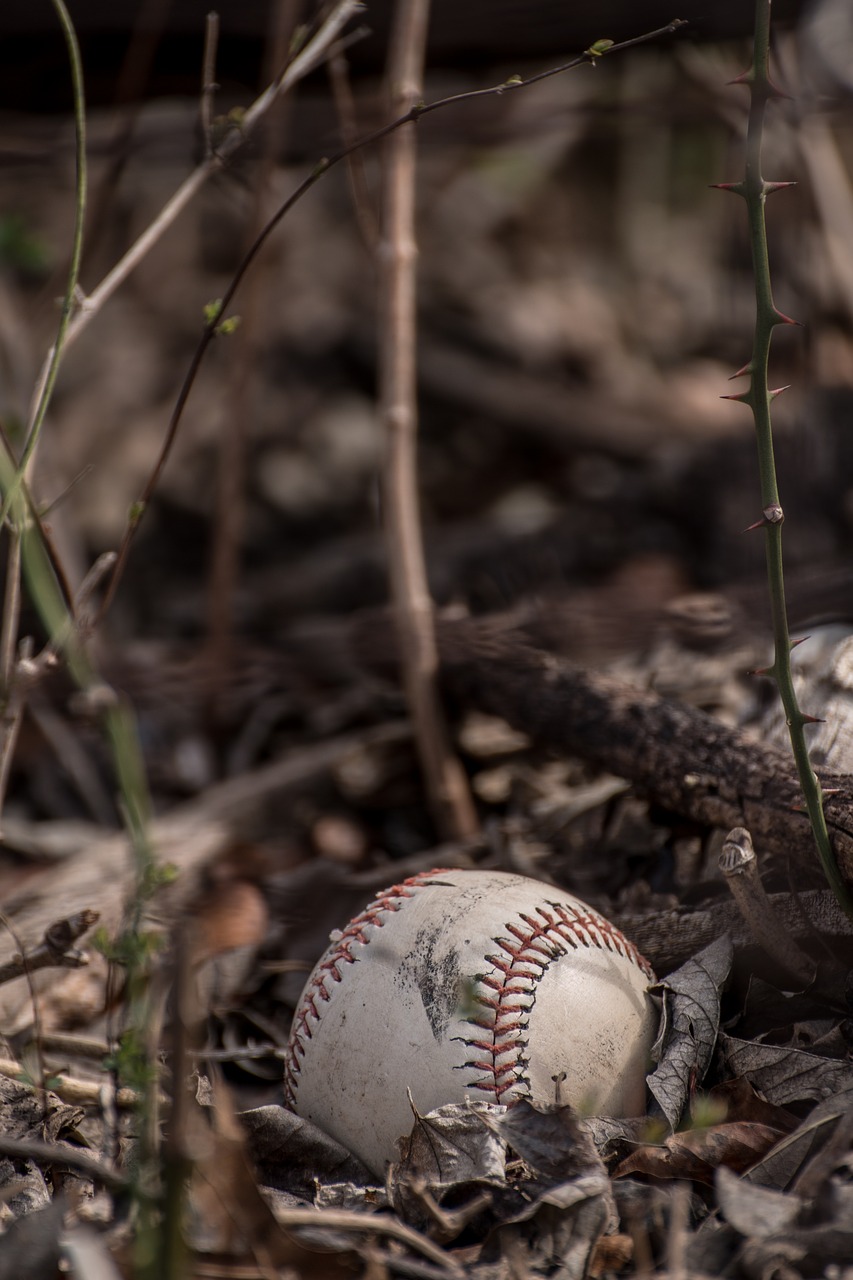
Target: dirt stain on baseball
x=437 y=977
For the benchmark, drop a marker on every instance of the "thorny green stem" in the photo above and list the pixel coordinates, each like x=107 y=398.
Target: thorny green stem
x=755 y=190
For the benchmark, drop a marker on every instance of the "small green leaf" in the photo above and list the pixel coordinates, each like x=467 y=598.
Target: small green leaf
x=156 y=875
x=102 y=942
x=598 y=48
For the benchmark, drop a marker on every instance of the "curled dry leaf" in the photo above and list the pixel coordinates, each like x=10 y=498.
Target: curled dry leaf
x=785 y=1075
x=229 y=1213
x=552 y=1141
x=291 y=1154
x=695 y=1155
x=738 y=1100
x=817 y=1131
x=691 y=1018
x=450 y=1156
x=754 y=1211
x=455 y=1143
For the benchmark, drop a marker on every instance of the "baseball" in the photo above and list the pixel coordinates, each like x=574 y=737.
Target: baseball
x=472 y=985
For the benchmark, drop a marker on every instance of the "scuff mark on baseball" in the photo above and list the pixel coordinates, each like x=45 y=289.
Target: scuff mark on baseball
x=474 y=985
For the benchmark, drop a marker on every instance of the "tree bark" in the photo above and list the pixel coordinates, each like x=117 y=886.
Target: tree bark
x=679 y=757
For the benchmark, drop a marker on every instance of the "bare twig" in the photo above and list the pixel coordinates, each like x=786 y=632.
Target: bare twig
x=230 y=497
x=54 y=1153
x=375 y=1223
x=65 y=744
x=94 y=577
x=16 y=508
x=56 y=951
x=322 y=167
x=14 y=697
x=359 y=188
x=447 y=788
x=739 y=865
x=73 y=1046
x=208 y=79
x=83 y=1093
x=11 y=615
x=13 y=510
x=146 y=30
x=51 y=365
x=302 y=64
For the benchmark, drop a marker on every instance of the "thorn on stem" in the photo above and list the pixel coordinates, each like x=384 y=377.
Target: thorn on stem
x=770 y=515
x=802 y=640
x=736 y=188
x=779 y=317
x=742 y=371
x=773 y=91
x=742 y=397
x=745 y=77
x=777 y=391
x=770 y=187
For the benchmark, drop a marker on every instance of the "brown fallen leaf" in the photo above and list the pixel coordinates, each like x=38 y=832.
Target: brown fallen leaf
x=741 y=1102
x=696 y=1153
x=231 y=1216
x=611 y=1253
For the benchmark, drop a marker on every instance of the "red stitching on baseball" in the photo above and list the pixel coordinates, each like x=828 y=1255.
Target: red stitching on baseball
x=503 y=1016
x=307 y=1013
x=506 y=1012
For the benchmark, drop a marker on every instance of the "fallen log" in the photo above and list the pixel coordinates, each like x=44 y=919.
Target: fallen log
x=668 y=938
x=678 y=756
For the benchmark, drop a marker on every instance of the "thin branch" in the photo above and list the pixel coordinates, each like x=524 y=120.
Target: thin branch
x=11 y=615
x=56 y=951
x=227 y=535
x=739 y=865
x=208 y=79
x=11 y=506
x=447 y=788
x=380 y=1224
x=305 y=61
x=55 y=1153
x=47 y=382
x=359 y=188
x=34 y=1001
x=14 y=510
x=322 y=167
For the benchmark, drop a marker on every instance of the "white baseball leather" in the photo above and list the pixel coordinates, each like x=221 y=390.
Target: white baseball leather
x=463 y=985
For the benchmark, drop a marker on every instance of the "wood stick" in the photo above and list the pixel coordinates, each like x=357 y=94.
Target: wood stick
x=679 y=757
x=446 y=785
x=668 y=938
